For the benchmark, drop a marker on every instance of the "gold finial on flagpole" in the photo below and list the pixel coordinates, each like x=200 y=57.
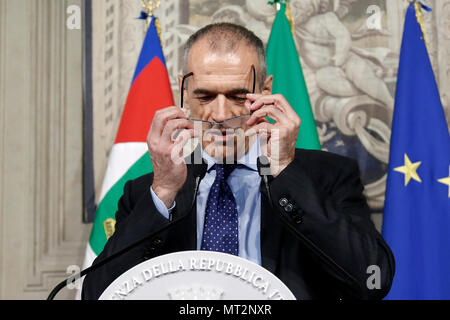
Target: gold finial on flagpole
x=419 y=17
x=149 y=6
x=288 y=12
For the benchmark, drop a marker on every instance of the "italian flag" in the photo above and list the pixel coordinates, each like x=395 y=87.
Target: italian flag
x=129 y=159
x=284 y=64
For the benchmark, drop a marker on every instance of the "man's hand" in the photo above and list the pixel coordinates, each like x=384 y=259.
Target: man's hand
x=169 y=132
x=282 y=135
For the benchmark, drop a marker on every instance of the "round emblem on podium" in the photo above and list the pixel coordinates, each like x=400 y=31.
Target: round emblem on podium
x=197 y=275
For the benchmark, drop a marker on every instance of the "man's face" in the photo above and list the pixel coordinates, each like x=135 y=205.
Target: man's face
x=217 y=92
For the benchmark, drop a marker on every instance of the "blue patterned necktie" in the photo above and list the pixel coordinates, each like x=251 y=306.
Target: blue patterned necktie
x=220 y=231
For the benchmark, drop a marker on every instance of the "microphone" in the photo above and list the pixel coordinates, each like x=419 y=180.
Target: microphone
x=199 y=171
x=264 y=171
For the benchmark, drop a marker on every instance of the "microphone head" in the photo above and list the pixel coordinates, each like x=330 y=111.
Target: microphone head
x=200 y=169
x=263 y=164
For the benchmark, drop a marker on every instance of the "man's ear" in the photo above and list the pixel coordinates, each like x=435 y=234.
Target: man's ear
x=267 y=89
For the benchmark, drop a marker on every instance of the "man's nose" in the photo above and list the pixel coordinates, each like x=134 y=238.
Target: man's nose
x=222 y=110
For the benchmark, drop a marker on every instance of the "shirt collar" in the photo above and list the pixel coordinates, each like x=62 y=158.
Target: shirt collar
x=249 y=159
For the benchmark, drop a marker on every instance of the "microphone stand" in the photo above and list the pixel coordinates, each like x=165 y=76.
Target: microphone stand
x=263 y=164
x=199 y=173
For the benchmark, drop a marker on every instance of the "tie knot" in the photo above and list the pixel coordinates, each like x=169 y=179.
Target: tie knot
x=223 y=171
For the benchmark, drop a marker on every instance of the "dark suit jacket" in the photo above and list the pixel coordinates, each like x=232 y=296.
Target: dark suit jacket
x=331 y=212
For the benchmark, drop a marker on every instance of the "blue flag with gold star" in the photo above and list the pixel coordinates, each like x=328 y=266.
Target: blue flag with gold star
x=416 y=222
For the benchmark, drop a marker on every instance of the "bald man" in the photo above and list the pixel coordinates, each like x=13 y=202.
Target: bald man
x=227 y=96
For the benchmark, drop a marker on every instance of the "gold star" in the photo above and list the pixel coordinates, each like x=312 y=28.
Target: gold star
x=446 y=181
x=409 y=170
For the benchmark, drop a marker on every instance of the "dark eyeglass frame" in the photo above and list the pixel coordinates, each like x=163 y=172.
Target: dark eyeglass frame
x=212 y=124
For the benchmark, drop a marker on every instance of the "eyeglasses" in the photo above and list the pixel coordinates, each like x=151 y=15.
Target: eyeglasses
x=231 y=123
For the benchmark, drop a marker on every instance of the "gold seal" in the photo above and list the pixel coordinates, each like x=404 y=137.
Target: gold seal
x=110 y=227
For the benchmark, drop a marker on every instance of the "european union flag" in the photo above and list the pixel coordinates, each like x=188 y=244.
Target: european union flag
x=416 y=221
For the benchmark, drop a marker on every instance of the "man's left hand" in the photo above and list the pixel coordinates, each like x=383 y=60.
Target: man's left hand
x=281 y=135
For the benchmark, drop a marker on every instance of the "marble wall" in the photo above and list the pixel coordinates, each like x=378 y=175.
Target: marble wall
x=41 y=229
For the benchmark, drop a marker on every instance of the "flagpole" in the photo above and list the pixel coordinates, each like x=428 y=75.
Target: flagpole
x=277 y=6
x=419 y=16
x=147 y=13
x=148 y=7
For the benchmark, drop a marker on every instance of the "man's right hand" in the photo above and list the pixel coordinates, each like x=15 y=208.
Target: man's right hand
x=169 y=132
